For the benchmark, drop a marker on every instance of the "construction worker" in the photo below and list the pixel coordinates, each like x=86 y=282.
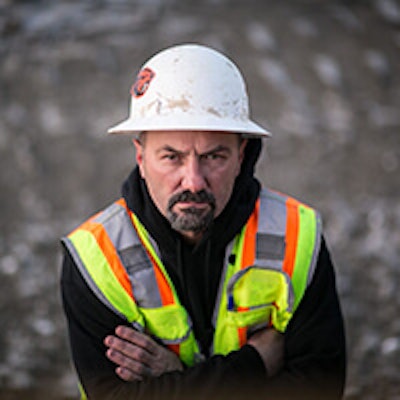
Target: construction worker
x=197 y=282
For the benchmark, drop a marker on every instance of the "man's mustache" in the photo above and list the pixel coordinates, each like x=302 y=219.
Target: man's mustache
x=197 y=197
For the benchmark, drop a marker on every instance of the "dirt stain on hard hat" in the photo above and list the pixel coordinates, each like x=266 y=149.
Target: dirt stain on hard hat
x=213 y=111
x=153 y=105
x=183 y=103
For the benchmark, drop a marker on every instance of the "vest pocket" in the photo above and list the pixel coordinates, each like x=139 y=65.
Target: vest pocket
x=259 y=296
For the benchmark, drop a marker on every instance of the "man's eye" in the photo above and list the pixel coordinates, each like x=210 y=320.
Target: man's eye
x=170 y=157
x=213 y=156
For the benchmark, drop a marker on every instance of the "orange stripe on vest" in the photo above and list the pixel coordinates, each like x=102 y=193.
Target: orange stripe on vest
x=249 y=248
x=110 y=253
x=292 y=230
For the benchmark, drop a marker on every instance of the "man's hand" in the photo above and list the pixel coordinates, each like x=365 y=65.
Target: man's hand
x=271 y=346
x=138 y=356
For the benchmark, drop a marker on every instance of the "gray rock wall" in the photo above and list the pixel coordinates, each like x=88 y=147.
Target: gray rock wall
x=323 y=75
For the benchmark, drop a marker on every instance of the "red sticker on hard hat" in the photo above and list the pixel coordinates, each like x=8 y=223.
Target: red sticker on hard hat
x=142 y=82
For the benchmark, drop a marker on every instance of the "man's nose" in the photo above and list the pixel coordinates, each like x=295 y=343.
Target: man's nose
x=193 y=178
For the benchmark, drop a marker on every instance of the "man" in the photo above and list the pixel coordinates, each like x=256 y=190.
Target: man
x=197 y=283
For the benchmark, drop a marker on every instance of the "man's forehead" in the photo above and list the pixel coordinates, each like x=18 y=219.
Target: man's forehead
x=198 y=138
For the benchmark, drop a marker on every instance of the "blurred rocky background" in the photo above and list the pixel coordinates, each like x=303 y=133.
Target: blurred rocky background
x=323 y=76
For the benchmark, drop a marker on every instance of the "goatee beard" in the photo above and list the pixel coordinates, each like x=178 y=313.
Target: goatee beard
x=191 y=219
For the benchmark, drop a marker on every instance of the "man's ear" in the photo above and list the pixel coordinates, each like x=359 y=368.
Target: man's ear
x=139 y=155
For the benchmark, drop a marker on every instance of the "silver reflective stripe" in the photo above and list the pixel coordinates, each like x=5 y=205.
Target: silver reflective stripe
x=141 y=275
x=271 y=230
x=228 y=254
x=119 y=227
x=271 y=247
x=272 y=218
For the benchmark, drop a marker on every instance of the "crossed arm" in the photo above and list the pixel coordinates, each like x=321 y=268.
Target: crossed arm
x=137 y=356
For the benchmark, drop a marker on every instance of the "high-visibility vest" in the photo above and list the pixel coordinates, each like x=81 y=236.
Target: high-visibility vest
x=267 y=269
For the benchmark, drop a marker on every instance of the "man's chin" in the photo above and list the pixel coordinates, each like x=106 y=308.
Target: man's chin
x=195 y=220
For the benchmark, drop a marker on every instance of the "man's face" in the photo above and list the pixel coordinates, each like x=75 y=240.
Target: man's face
x=190 y=175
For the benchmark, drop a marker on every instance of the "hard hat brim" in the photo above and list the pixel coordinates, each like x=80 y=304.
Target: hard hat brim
x=247 y=128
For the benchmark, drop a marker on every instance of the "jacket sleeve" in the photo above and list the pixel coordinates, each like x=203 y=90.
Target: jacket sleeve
x=314 y=351
x=315 y=346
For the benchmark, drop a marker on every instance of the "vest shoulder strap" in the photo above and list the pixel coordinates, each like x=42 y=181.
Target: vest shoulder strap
x=111 y=258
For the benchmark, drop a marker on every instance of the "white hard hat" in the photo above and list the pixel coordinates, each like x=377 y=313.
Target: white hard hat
x=189 y=87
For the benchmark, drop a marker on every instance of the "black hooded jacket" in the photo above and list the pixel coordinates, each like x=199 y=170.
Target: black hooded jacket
x=314 y=341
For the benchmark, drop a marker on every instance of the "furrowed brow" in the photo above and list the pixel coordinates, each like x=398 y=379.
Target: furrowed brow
x=218 y=149
x=170 y=150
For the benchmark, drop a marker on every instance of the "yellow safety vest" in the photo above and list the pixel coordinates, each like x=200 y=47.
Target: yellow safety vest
x=267 y=269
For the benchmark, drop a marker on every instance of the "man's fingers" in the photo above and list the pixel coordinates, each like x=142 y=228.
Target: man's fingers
x=128 y=368
x=139 y=354
x=140 y=339
x=128 y=350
